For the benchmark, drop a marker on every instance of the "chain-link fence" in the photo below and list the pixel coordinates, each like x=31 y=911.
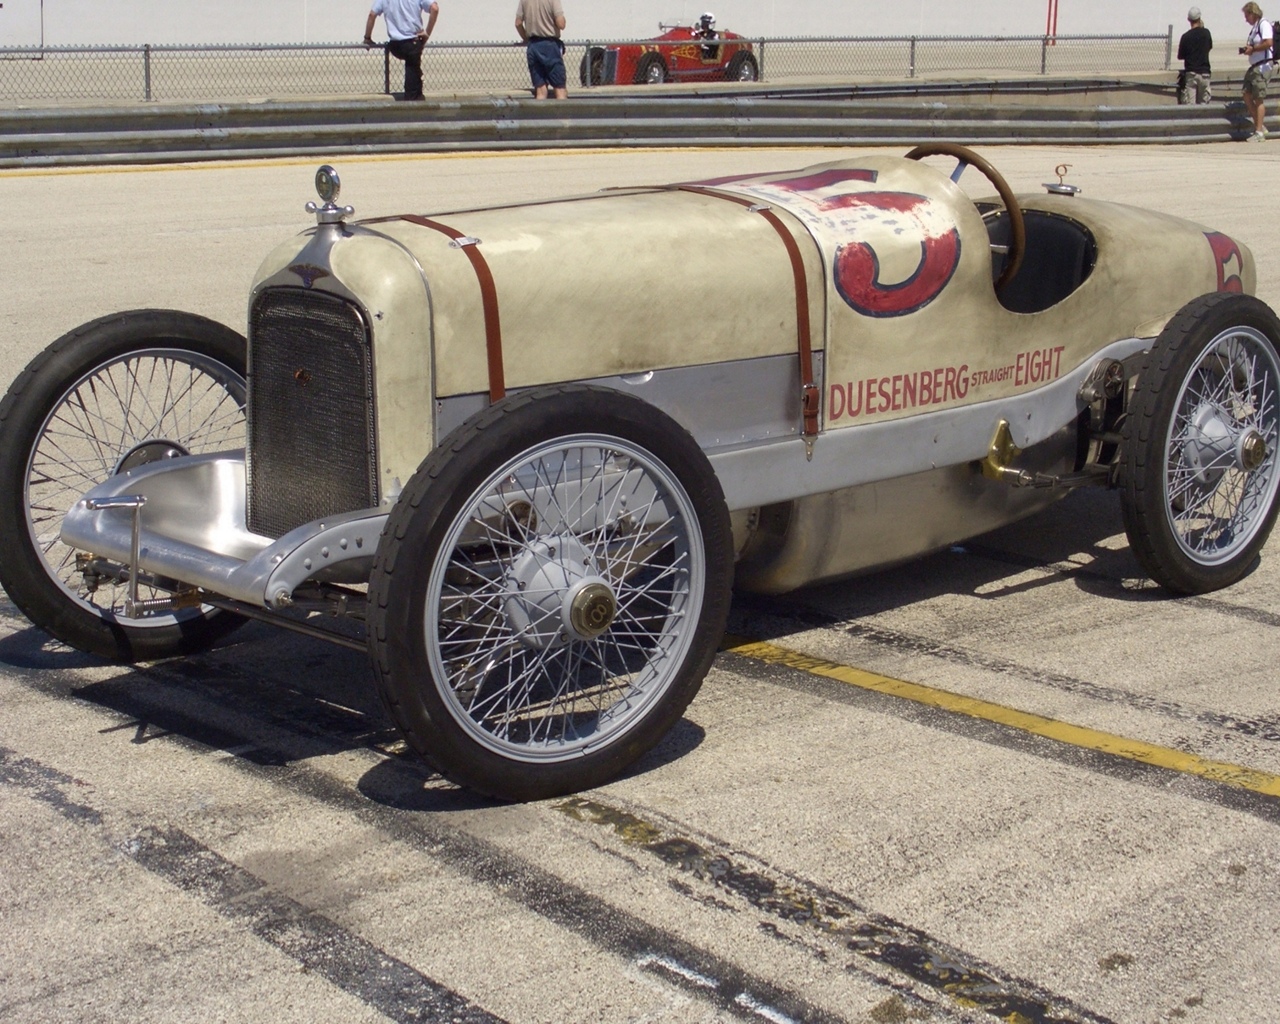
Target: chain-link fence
x=831 y=60
x=206 y=73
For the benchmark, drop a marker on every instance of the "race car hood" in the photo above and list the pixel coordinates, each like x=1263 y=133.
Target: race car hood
x=891 y=258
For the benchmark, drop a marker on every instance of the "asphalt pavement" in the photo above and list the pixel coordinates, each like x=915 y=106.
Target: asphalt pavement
x=862 y=817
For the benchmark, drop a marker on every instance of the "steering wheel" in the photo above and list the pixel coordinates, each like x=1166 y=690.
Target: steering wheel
x=1017 y=229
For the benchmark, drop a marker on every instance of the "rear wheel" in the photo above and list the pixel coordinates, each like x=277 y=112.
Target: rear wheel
x=742 y=68
x=117 y=393
x=549 y=592
x=1200 y=469
x=652 y=70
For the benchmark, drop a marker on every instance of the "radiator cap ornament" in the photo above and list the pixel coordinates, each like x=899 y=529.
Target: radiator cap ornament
x=1059 y=187
x=328 y=187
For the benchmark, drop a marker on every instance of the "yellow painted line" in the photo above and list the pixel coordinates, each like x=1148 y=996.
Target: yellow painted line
x=231 y=163
x=1063 y=732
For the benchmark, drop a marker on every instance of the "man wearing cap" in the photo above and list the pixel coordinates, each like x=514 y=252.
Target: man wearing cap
x=540 y=23
x=1193 y=51
x=1258 y=50
x=406 y=36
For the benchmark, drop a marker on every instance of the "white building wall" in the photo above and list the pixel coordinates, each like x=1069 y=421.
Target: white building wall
x=87 y=22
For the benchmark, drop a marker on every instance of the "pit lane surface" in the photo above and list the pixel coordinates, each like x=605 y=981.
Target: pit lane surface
x=859 y=819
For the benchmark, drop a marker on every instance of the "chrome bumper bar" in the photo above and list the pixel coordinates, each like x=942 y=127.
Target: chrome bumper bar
x=190 y=527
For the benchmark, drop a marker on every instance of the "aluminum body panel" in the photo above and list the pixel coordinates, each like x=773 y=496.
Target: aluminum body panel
x=722 y=405
x=913 y=323
x=611 y=284
x=385 y=280
x=766 y=474
x=192 y=530
x=841 y=533
x=614 y=286
x=193 y=521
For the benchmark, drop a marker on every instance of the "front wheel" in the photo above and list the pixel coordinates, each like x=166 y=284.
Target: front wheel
x=591 y=67
x=1199 y=466
x=549 y=591
x=117 y=393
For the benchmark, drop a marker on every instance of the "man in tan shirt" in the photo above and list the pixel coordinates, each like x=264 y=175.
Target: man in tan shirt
x=540 y=23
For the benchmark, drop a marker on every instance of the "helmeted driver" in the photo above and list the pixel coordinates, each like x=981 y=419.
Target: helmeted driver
x=706 y=30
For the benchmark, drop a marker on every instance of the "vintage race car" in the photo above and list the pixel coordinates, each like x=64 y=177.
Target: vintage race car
x=681 y=54
x=535 y=495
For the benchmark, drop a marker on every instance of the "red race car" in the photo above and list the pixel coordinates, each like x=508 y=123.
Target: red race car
x=682 y=53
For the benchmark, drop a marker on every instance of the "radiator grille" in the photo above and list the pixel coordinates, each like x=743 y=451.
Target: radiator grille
x=311 y=446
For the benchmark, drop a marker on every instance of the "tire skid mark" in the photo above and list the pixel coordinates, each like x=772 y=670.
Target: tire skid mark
x=1224 y=773
x=1265 y=729
x=963 y=978
x=379 y=980
x=46 y=785
x=351 y=963
x=1194 y=787
x=514 y=878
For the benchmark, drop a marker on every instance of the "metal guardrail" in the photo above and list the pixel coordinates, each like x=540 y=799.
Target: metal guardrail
x=207 y=73
x=127 y=134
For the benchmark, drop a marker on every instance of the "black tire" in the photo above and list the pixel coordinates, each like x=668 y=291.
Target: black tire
x=742 y=68
x=652 y=70
x=529 y=643
x=593 y=59
x=1199 y=466
x=114 y=393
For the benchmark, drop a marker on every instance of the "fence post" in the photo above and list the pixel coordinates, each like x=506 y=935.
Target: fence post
x=386 y=71
x=911 y=70
x=760 y=62
x=1168 y=49
x=1044 y=55
x=146 y=72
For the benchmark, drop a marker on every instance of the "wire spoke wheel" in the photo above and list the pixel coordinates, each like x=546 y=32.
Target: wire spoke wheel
x=108 y=397
x=557 y=611
x=1220 y=467
x=1200 y=445
x=550 y=591
x=129 y=411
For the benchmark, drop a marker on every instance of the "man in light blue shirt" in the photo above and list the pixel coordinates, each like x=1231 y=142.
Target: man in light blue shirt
x=406 y=36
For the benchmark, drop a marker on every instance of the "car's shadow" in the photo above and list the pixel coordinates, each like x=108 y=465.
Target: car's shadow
x=268 y=698
x=1078 y=541
x=275 y=698
x=408 y=784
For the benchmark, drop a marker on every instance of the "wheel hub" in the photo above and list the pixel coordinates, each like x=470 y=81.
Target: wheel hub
x=1208 y=451
x=147 y=452
x=555 y=595
x=1251 y=450
x=592 y=608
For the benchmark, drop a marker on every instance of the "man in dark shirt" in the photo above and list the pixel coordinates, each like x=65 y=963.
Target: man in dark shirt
x=1193 y=51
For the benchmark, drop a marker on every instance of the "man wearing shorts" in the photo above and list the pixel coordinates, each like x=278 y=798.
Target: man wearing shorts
x=1258 y=49
x=540 y=23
